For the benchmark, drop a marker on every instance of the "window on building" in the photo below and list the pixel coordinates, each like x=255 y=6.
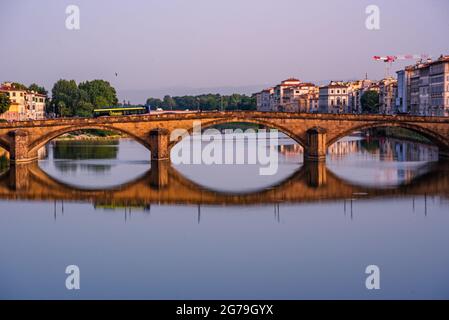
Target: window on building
x=332 y=91
x=338 y=91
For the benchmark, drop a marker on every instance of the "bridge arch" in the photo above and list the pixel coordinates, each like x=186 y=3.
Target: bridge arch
x=268 y=124
x=437 y=139
x=42 y=141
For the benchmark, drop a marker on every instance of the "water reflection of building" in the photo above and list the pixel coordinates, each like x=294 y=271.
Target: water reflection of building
x=344 y=147
x=290 y=150
x=392 y=149
x=385 y=149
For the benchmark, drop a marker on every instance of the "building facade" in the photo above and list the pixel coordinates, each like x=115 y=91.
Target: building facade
x=282 y=94
x=423 y=89
x=264 y=99
x=25 y=104
x=356 y=91
x=387 y=96
x=290 y=95
x=403 y=93
x=334 y=97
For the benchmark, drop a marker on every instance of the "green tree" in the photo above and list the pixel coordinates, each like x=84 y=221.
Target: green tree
x=370 y=102
x=36 y=88
x=70 y=99
x=168 y=102
x=19 y=86
x=4 y=103
x=100 y=93
x=84 y=109
x=205 y=102
x=154 y=103
x=63 y=110
x=65 y=95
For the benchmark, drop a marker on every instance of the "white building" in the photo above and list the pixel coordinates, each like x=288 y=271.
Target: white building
x=25 y=104
x=333 y=98
x=264 y=99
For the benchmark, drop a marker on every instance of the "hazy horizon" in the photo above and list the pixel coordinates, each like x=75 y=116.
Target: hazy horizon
x=178 y=47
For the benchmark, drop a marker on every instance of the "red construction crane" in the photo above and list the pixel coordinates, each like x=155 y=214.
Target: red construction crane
x=390 y=59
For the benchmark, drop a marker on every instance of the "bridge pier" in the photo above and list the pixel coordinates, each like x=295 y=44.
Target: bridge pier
x=316 y=173
x=159 y=141
x=316 y=150
x=18 y=150
x=19 y=177
x=159 y=173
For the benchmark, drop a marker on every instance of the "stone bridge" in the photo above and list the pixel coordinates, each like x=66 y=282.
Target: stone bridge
x=162 y=184
x=315 y=132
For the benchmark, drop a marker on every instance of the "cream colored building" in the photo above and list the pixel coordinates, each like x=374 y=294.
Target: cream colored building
x=280 y=98
x=297 y=98
x=290 y=95
x=25 y=105
x=387 y=95
x=333 y=98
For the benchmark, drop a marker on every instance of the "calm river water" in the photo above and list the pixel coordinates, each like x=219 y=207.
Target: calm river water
x=224 y=231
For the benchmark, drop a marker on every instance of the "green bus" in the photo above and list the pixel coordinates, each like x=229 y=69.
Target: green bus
x=121 y=111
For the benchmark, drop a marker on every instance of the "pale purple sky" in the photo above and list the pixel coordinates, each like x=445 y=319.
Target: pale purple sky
x=187 y=47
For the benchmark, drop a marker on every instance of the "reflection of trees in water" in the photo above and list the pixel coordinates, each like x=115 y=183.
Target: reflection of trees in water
x=85 y=149
x=66 y=167
x=3 y=162
x=370 y=145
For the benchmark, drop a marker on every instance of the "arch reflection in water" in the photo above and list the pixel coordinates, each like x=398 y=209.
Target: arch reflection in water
x=95 y=164
x=379 y=161
x=239 y=177
x=322 y=225
x=164 y=185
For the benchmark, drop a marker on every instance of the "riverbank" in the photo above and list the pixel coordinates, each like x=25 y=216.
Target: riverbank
x=91 y=135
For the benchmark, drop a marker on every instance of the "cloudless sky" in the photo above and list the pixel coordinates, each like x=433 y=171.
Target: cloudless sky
x=182 y=46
